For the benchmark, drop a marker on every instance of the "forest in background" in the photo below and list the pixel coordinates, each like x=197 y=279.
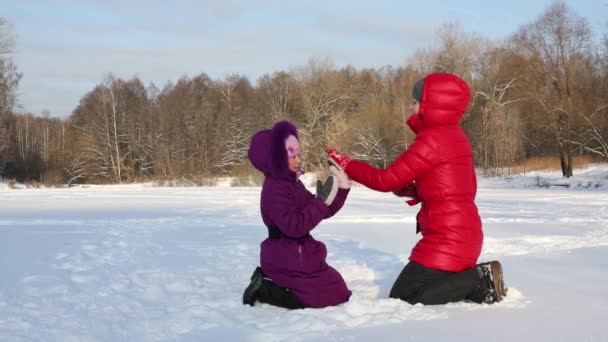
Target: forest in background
x=541 y=92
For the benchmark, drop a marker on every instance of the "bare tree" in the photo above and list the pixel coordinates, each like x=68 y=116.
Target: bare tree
x=75 y=167
x=138 y=129
x=556 y=44
x=423 y=61
x=109 y=113
x=593 y=137
x=459 y=52
x=7 y=40
x=369 y=147
x=99 y=119
x=324 y=94
x=171 y=110
x=122 y=131
x=278 y=92
x=5 y=130
x=604 y=54
x=338 y=133
x=185 y=127
x=232 y=128
x=236 y=144
x=499 y=134
x=9 y=81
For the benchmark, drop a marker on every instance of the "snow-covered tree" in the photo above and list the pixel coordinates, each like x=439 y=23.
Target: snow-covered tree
x=369 y=147
x=236 y=144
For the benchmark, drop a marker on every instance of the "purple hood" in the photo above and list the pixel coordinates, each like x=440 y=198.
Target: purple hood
x=267 y=150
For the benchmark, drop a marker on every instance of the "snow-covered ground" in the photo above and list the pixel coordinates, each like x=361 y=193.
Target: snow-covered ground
x=138 y=263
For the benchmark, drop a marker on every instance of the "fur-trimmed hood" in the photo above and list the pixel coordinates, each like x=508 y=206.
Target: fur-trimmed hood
x=267 y=150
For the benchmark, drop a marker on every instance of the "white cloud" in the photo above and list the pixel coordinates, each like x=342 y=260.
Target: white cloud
x=64 y=48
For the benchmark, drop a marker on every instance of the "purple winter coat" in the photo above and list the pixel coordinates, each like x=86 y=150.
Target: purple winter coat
x=298 y=261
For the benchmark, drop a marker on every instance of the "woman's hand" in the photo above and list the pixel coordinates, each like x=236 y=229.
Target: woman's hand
x=338 y=159
x=407 y=191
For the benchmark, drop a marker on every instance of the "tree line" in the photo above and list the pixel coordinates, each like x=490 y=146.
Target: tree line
x=543 y=91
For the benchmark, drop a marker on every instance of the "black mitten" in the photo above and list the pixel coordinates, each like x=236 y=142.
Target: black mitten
x=327 y=191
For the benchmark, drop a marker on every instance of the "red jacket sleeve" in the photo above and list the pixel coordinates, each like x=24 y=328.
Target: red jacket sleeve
x=411 y=164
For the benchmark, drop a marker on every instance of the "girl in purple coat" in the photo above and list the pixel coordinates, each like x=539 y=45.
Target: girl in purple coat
x=293 y=271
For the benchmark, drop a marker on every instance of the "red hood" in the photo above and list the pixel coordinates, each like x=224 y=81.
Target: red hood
x=445 y=98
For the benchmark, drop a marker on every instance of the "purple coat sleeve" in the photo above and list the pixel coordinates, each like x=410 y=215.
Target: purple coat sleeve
x=338 y=202
x=295 y=220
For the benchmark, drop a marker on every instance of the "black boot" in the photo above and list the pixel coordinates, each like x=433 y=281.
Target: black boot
x=251 y=292
x=271 y=293
x=491 y=287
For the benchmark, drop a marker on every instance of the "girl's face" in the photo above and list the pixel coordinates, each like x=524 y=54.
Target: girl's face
x=414 y=107
x=295 y=163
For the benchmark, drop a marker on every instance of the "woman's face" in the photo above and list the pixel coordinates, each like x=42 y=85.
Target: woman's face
x=414 y=106
x=295 y=163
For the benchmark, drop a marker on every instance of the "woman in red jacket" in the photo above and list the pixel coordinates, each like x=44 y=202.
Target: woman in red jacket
x=437 y=170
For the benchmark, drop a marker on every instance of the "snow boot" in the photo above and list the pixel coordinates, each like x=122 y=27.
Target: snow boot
x=251 y=292
x=491 y=287
x=271 y=293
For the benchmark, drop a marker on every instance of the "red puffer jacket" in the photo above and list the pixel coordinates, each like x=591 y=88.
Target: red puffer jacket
x=440 y=161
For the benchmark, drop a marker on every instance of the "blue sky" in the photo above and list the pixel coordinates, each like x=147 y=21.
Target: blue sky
x=65 y=47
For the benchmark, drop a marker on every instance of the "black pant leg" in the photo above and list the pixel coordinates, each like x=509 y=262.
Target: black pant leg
x=453 y=287
x=419 y=284
x=272 y=294
x=409 y=283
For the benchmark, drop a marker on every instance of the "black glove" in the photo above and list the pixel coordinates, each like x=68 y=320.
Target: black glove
x=327 y=191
